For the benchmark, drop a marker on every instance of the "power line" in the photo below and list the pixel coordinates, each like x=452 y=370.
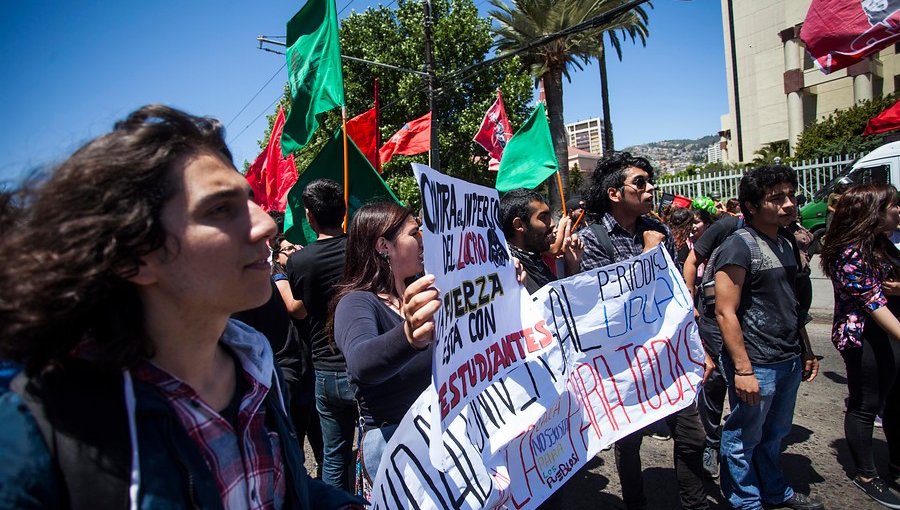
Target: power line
x=235 y=137
x=594 y=22
x=344 y=8
x=255 y=95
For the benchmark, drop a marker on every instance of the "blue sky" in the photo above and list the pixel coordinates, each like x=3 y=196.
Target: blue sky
x=71 y=69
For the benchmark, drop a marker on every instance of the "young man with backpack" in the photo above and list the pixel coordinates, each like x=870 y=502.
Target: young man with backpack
x=620 y=196
x=763 y=358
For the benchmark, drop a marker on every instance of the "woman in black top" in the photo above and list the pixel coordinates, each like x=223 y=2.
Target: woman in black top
x=382 y=320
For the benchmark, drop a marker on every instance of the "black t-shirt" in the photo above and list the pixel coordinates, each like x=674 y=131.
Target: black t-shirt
x=714 y=235
x=313 y=273
x=768 y=310
x=273 y=320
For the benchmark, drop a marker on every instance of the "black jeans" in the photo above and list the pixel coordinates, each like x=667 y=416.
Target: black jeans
x=711 y=404
x=711 y=401
x=873 y=380
x=688 y=438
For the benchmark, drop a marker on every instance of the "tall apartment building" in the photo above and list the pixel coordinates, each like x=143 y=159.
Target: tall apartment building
x=587 y=135
x=774 y=89
x=714 y=153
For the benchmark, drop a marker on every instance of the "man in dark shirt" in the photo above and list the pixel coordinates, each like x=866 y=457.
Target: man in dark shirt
x=529 y=230
x=620 y=196
x=313 y=273
x=758 y=315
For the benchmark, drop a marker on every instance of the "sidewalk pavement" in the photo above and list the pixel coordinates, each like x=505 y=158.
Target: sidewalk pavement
x=822 y=309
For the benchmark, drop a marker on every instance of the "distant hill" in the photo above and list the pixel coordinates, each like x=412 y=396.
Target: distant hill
x=670 y=156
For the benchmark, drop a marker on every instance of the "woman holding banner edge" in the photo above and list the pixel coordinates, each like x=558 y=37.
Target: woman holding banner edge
x=383 y=321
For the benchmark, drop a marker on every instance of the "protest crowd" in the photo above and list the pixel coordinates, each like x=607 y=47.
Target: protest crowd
x=175 y=334
x=177 y=350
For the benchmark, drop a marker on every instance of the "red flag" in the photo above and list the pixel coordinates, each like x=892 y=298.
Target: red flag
x=888 y=120
x=362 y=129
x=840 y=33
x=494 y=131
x=413 y=138
x=271 y=176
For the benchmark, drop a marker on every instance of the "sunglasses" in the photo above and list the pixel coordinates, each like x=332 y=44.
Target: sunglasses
x=639 y=183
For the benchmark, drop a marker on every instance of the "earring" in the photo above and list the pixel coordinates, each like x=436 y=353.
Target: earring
x=384 y=256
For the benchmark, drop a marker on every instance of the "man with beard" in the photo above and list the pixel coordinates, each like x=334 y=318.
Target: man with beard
x=529 y=230
x=620 y=196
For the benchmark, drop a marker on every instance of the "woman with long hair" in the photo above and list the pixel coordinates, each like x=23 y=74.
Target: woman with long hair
x=382 y=320
x=862 y=263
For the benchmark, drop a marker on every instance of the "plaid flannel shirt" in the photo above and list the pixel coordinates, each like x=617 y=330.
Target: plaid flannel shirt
x=623 y=242
x=246 y=463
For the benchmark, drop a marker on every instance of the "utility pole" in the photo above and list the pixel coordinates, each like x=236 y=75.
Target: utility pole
x=434 y=158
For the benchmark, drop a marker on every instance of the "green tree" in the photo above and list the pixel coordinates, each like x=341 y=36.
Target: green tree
x=525 y=21
x=396 y=37
x=841 y=132
x=769 y=151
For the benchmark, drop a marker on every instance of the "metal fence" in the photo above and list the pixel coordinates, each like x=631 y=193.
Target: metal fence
x=812 y=176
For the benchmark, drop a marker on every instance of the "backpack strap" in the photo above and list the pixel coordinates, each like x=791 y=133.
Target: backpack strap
x=707 y=282
x=749 y=238
x=606 y=246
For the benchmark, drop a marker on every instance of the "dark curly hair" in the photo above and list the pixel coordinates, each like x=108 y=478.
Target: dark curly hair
x=755 y=183
x=99 y=213
x=610 y=173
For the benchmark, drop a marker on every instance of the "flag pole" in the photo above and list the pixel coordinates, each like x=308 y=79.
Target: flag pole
x=346 y=171
x=377 y=130
x=562 y=197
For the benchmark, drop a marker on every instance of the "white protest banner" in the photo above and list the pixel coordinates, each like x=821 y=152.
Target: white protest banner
x=625 y=353
x=487 y=324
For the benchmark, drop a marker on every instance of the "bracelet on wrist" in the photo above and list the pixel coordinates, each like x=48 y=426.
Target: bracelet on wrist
x=744 y=374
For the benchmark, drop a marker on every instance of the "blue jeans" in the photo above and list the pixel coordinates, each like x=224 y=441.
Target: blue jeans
x=373 y=444
x=338 y=416
x=752 y=435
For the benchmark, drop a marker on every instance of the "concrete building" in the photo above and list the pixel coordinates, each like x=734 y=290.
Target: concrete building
x=714 y=153
x=585 y=160
x=774 y=88
x=587 y=135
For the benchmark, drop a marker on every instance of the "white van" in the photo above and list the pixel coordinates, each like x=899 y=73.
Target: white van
x=880 y=165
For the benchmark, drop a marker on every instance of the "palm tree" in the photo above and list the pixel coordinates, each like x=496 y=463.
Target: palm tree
x=632 y=24
x=769 y=152
x=526 y=21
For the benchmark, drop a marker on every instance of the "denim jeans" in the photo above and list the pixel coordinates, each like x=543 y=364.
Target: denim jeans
x=373 y=444
x=751 y=437
x=338 y=417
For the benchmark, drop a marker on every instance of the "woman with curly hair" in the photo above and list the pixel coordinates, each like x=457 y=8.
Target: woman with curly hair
x=862 y=263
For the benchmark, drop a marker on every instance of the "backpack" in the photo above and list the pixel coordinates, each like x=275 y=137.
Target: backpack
x=708 y=282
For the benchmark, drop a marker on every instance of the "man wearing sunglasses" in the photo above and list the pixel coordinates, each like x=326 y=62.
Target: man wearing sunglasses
x=617 y=203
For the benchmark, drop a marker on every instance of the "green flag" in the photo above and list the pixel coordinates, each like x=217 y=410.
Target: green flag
x=528 y=158
x=365 y=185
x=314 y=71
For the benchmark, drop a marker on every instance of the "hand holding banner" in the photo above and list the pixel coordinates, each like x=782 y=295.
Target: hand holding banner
x=621 y=351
